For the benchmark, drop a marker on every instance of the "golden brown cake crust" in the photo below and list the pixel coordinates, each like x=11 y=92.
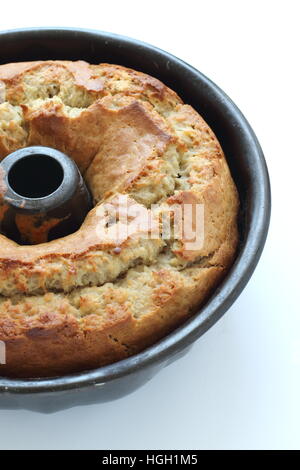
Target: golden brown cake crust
x=86 y=300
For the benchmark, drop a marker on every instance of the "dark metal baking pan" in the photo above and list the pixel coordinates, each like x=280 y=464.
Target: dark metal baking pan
x=248 y=168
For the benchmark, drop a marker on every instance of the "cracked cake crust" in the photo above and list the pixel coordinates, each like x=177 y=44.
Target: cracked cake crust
x=83 y=301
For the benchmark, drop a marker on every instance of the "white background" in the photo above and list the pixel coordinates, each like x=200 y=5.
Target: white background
x=239 y=387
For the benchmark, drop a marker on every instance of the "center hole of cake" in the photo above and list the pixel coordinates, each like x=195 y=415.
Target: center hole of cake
x=36 y=176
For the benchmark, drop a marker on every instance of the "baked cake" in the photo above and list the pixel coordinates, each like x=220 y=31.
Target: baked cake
x=87 y=300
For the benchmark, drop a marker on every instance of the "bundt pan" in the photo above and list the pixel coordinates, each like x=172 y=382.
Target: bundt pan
x=248 y=169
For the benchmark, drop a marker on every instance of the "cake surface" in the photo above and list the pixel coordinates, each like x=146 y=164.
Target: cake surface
x=89 y=299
